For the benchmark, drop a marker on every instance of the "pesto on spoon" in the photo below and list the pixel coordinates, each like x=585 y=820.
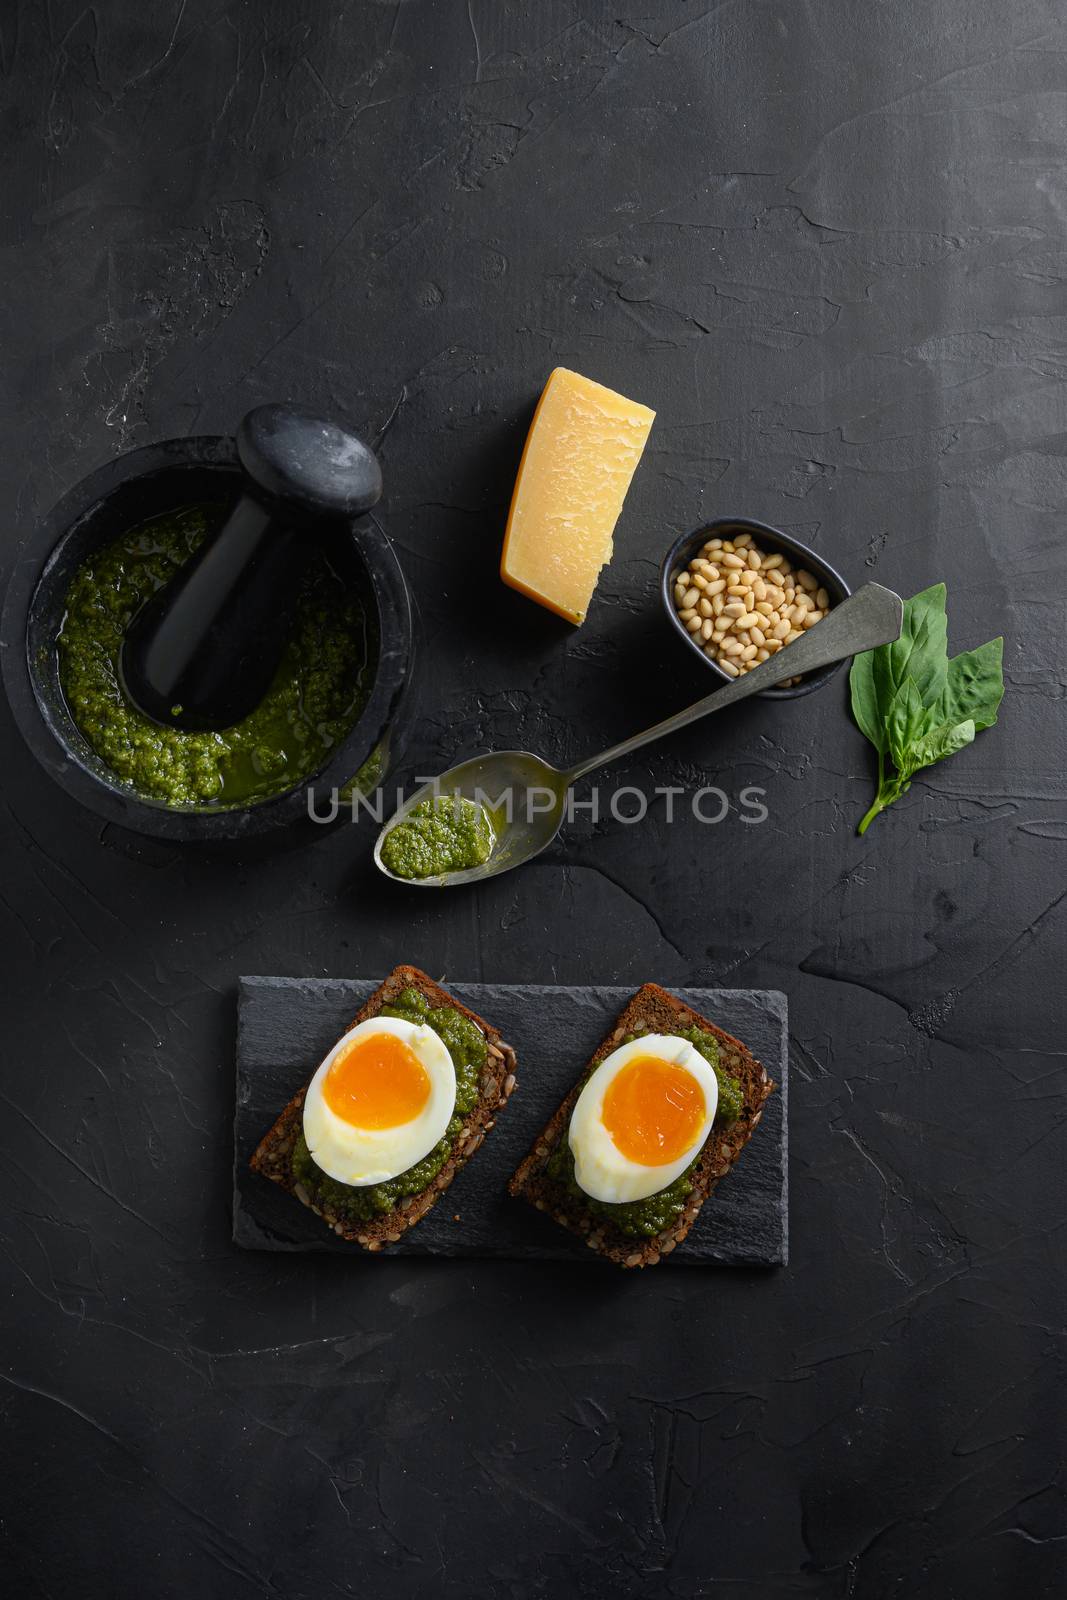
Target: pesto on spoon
x=527 y=796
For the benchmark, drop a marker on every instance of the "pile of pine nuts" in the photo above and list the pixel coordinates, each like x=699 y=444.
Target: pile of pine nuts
x=743 y=604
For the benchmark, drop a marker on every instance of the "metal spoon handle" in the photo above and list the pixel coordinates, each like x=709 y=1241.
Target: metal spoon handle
x=872 y=616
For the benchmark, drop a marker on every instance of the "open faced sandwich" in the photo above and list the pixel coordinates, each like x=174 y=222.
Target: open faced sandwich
x=398 y=1105
x=661 y=1112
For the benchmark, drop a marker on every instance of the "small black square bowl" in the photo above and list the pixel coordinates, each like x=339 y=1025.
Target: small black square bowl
x=767 y=538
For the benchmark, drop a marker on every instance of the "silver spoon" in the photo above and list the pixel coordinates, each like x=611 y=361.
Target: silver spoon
x=538 y=791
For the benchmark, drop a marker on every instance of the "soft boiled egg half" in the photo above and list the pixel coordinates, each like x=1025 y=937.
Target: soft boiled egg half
x=641 y=1118
x=380 y=1101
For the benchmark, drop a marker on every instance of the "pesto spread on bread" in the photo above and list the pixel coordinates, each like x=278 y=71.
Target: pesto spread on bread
x=467 y=1046
x=650 y=1216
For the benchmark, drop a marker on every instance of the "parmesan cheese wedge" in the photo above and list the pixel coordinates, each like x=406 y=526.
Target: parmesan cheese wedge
x=581 y=453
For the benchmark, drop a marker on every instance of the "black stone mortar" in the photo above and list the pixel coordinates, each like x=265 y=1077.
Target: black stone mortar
x=135 y=486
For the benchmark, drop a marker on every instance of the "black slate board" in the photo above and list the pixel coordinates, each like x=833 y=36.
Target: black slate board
x=286 y=1026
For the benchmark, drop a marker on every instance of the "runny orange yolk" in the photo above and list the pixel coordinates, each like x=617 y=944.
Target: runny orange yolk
x=653 y=1110
x=377 y=1082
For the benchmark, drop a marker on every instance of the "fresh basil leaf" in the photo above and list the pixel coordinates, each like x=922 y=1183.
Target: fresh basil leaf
x=914 y=704
x=905 y=723
x=865 y=703
x=974 y=687
x=938 y=743
x=920 y=653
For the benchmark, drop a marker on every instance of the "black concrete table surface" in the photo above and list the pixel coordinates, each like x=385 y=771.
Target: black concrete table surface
x=826 y=243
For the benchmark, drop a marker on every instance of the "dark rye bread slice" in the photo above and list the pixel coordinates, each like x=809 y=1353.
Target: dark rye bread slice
x=272 y=1154
x=657 y=1011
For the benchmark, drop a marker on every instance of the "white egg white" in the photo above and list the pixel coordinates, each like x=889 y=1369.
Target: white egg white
x=360 y=1156
x=600 y=1168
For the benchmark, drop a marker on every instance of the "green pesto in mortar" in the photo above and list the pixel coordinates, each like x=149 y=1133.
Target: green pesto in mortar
x=319 y=689
x=444 y=833
x=645 y=1218
x=467 y=1047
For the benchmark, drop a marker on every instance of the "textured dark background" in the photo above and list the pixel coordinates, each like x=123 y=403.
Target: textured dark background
x=826 y=241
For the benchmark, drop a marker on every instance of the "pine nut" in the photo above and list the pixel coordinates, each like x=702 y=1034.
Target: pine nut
x=743 y=605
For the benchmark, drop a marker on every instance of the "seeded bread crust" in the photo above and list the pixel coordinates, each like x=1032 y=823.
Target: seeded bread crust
x=652 y=1008
x=273 y=1154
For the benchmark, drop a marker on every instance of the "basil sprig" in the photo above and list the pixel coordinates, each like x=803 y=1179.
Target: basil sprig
x=914 y=704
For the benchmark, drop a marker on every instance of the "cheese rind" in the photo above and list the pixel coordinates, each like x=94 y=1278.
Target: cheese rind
x=581 y=454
